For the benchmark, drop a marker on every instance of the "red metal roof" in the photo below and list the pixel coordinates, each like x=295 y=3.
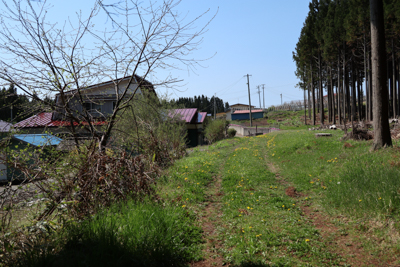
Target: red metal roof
x=247 y=111
x=186 y=114
x=44 y=119
x=39 y=120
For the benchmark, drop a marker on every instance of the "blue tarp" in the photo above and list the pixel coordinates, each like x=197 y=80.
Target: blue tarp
x=38 y=139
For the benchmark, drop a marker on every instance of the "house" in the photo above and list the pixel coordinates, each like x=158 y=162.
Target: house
x=240 y=107
x=98 y=100
x=245 y=114
x=42 y=122
x=194 y=122
x=235 y=107
x=5 y=128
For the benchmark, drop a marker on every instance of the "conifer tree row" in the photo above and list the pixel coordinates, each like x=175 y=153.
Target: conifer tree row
x=333 y=59
x=203 y=103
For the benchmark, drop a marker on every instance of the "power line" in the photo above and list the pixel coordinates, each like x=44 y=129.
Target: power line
x=229 y=86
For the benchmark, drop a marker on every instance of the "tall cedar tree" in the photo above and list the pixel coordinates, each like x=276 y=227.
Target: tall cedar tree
x=379 y=75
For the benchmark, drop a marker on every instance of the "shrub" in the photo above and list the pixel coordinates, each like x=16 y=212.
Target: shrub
x=215 y=131
x=147 y=127
x=231 y=133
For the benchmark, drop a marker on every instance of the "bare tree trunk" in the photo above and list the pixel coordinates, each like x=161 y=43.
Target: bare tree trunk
x=344 y=85
x=305 y=107
x=360 y=94
x=371 y=106
x=309 y=103
x=339 y=92
x=397 y=87
x=394 y=96
x=379 y=72
x=353 y=92
x=366 y=79
x=321 y=92
x=313 y=96
x=332 y=94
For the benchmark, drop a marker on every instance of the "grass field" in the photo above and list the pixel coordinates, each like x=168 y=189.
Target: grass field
x=283 y=199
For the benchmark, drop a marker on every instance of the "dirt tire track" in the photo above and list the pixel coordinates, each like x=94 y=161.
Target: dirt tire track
x=212 y=209
x=344 y=245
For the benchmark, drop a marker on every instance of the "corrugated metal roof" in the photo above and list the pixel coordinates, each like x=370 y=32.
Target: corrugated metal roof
x=186 y=114
x=44 y=119
x=38 y=139
x=5 y=127
x=201 y=116
x=39 y=120
x=247 y=111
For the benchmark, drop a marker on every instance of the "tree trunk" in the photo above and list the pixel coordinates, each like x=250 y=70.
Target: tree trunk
x=360 y=94
x=394 y=96
x=345 y=109
x=321 y=92
x=313 y=96
x=379 y=73
x=353 y=92
x=366 y=79
x=332 y=102
x=371 y=105
x=339 y=92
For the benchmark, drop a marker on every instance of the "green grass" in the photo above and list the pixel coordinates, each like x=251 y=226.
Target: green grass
x=129 y=234
x=255 y=223
x=342 y=173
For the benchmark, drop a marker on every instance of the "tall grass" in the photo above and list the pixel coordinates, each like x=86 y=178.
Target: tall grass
x=366 y=186
x=132 y=234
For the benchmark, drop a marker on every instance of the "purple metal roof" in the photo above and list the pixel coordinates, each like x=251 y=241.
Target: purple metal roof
x=5 y=127
x=186 y=114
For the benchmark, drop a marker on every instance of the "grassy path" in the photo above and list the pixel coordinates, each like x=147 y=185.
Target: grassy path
x=259 y=203
x=261 y=224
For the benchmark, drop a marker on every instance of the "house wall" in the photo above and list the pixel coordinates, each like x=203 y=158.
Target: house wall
x=245 y=131
x=240 y=107
x=3 y=171
x=246 y=116
x=102 y=95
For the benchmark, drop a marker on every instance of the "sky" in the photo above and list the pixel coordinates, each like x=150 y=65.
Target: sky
x=255 y=37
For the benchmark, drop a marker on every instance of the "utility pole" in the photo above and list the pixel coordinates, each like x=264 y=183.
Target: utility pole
x=215 y=114
x=259 y=97
x=281 y=99
x=263 y=96
x=248 y=87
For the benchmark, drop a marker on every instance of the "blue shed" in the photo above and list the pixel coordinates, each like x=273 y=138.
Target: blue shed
x=245 y=114
x=25 y=141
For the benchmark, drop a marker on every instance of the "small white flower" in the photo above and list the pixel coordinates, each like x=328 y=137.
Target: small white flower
x=338 y=182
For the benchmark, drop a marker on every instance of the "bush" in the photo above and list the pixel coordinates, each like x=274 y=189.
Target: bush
x=215 y=130
x=148 y=127
x=231 y=133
